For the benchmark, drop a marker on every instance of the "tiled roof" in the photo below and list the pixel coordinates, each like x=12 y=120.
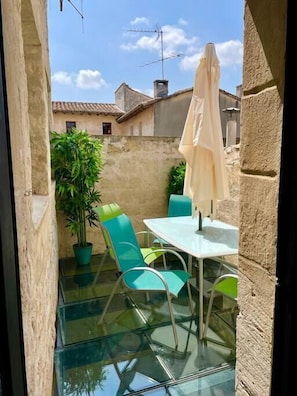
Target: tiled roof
x=143 y=105
x=89 y=108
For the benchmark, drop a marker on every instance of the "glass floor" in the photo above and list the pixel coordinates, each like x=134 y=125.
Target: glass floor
x=133 y=351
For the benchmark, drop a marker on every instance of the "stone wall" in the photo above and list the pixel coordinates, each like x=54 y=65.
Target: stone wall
x=261 y=132
x=135 y=175
x=29 y=107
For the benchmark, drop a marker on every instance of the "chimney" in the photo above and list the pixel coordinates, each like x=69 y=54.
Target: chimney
x=239 y=90
x=231 y=128
x=160 y=88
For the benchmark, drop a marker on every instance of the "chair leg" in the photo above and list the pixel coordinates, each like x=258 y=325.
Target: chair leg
x=210 y=303
x=109 y=300
x=191 y=303
x=172 y=320
x=100 y=267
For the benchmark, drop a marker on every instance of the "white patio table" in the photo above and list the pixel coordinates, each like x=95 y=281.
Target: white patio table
x=216 y=239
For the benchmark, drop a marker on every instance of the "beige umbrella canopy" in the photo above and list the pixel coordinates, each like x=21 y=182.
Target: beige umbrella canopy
x=201 y=144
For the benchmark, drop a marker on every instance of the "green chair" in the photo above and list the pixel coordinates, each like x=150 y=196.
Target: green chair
x=225 y=285
x=107 y=212
x=136 y=274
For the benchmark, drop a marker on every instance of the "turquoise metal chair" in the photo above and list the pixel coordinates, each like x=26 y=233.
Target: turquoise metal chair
x=178 y=205
x=224 y=285
x=107 y=212
x=136 y=274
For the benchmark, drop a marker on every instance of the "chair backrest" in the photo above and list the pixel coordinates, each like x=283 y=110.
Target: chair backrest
x=124 y=242
x=227 y=285
x=179 y=205
x=107 y=212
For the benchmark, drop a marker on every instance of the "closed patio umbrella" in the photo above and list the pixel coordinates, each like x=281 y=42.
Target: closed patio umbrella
x=201 y=144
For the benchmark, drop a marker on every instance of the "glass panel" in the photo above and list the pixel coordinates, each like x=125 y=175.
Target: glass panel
x=134 y=349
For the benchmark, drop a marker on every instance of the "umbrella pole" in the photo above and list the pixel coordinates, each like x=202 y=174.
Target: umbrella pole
x=200 y=222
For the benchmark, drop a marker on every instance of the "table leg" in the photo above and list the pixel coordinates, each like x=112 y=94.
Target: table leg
x=201 y=316
x=190 y=264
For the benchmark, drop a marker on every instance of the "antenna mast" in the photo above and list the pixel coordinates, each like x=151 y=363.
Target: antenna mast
x=159 y=35
x=76 y=9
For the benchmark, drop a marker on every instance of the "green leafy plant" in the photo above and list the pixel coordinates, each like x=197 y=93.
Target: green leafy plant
x=76 y=160
x=176 y=179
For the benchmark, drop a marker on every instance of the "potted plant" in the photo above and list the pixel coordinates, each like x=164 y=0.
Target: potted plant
x=76 y=161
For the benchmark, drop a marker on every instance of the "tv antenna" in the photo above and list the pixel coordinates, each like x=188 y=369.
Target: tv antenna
x=73 y=5
x=159 y=36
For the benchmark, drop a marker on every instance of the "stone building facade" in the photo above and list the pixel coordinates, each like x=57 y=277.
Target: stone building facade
x=135 y=114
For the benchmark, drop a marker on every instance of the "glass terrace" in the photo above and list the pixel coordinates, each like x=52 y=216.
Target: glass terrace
x=134 y=353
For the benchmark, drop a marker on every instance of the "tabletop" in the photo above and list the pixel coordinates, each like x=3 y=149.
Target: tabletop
x=215 y=239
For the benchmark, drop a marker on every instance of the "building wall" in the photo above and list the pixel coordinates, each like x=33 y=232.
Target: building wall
x=261 y=130
x=29 y=106
x=142 y=124
x=91 y=122
x=171 y=114
x=127 y=98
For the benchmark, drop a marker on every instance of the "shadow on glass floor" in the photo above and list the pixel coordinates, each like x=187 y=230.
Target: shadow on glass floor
x=133 y=352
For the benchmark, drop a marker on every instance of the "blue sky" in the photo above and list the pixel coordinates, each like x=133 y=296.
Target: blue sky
x=91 y=56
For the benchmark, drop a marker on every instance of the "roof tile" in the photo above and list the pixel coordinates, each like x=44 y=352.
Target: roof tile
x=90 y=108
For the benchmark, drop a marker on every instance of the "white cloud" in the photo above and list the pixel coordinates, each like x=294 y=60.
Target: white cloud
x=190 y=62
x=149 y=43
x=182 y=21
x=61 y=77
x=175 y=41
x=89 y=79
x=84 y=79
x=229 y=53
x=149 y=92
x=128 y=47
x=139 y=21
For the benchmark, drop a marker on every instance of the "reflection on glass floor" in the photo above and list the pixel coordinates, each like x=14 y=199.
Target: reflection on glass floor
x=133 y=352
